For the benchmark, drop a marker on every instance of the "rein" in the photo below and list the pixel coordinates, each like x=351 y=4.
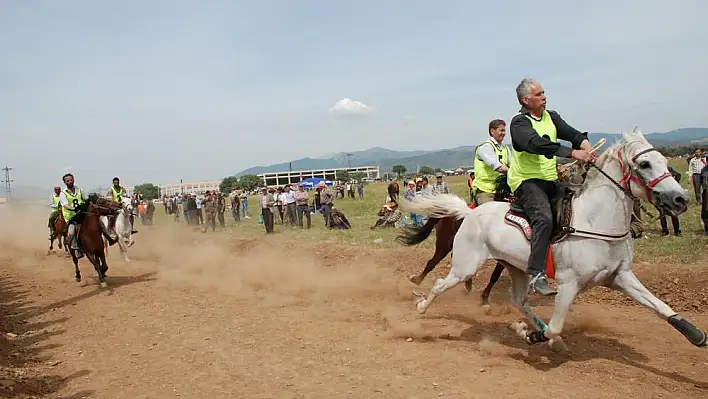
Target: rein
x=623 y=185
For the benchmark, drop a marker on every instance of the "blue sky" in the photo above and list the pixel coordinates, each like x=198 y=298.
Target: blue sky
x=162 y=90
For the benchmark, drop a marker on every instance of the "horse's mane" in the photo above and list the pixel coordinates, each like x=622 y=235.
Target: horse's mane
x=611 y=154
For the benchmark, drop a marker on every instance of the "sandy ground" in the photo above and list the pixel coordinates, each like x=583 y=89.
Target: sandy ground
x=213 y=316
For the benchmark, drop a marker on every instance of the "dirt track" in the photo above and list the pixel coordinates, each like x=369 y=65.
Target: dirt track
x=209 y=316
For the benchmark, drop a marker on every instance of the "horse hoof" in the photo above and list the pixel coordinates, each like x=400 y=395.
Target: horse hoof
x=78 y=279
x=557 y=345
x=104 y=284
x=520 y=328
x=415 y=279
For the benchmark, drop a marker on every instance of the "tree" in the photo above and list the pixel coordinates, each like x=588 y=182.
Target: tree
x=227 y=183
x=426 y=170
x=250 y=182
x=148 y=190
x=358 y=176
x=342 y=175
x=399 y=170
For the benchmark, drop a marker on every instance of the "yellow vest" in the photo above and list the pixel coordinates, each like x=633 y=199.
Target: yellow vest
x=525 y=166
x=117 y=194
x=485 y=177
x=55 y=199
x=74 y=201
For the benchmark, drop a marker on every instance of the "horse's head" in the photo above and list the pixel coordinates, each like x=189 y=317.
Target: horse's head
x=646 y=175
x=127 y=204
x=104 y=206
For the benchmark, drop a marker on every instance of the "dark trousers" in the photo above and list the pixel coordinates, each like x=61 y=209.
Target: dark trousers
x=268 y=219
x=535 y=197
x=236 y=213
x=303 y=211
x=665 y=224
x=697 y=186
x=292 y=213
x=326 y=213
x=704 y=209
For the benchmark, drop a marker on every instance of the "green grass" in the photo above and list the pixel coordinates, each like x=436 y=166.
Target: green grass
x=691 y=248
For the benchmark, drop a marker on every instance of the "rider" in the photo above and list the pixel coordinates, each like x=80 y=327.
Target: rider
x=70 y=199
x=56 y=208
x=491 y=160
x=118 y=192
x=532 y=176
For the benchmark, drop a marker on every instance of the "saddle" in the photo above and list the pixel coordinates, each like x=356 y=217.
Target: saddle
x=562 y=208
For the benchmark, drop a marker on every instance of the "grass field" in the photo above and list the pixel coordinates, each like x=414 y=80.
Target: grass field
x=652 y=247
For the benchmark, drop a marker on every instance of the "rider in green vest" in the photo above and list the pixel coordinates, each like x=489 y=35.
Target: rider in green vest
x=70 y=199
x=491 y=160
x=56 y=208
x=533 y=177
x=117 y=192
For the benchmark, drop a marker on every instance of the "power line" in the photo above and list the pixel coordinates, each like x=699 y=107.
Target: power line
x=8 y=182
x=349 y=159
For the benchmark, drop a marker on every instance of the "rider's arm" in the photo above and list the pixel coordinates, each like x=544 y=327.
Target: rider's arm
x=524 y=138
x=569 y=133
x=64 y=201
x=486 y=154
x=51 y=203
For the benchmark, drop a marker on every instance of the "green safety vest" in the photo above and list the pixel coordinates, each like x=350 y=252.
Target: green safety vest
x=485 y=177
x=525 y=166
x=117 y=194
x=75 y=200
x=55 y=198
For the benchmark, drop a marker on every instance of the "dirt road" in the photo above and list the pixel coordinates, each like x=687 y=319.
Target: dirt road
x=212 y=316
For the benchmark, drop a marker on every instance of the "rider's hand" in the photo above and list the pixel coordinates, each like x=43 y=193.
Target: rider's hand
x=584 y=155
x=502 y=169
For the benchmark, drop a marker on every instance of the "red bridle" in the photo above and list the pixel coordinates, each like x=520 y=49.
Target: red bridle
x=628 y=176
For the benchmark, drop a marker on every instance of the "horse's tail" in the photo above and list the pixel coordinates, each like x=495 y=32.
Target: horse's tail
x=413 y=235
x=438 y=206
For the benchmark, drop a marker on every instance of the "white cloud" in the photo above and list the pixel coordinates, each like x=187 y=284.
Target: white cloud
x=348 y=106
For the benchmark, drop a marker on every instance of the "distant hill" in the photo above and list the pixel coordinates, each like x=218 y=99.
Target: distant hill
x=453 y=157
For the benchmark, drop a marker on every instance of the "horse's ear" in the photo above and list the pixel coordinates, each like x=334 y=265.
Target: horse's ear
x=636 y=131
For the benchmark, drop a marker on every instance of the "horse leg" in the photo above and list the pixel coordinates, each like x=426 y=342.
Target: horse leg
x=74 y=259
x=465 y=263
x=98 y=267
x=123 y=245
x=520 y=296
x=498 y=269
x=441 y=252
x=626 y=282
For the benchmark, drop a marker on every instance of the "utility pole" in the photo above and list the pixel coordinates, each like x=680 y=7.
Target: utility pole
x=8 y=182
x=349 y=159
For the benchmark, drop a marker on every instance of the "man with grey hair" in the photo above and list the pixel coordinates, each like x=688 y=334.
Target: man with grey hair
x=532 y=175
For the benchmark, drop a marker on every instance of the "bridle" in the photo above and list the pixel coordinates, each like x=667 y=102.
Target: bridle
x=630 y=174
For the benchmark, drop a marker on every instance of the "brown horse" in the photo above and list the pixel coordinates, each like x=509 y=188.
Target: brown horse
x=90 y=235
x=59 y=234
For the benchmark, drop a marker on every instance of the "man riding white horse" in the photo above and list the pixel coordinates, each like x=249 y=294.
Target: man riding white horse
x=56 y=208
x=70 y=199
x=532 y=175
x=117 y=192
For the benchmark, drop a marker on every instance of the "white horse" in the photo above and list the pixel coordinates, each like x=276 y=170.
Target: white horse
x=598 y=249
x=123 y=228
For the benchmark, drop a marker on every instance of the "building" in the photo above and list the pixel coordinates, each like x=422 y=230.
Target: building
x=183 y=188
x=295 y=176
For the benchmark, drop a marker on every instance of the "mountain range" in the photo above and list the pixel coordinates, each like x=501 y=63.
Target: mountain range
x=452 y=157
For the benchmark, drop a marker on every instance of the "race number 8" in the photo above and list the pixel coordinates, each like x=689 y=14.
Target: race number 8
x=75 y=201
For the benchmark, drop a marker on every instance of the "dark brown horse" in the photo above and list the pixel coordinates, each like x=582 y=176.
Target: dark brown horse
x=59 y=234
x=90 y=235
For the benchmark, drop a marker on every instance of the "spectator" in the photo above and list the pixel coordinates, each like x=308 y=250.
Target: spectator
x=704 y=204
x=302 y=198
x=695 y=166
